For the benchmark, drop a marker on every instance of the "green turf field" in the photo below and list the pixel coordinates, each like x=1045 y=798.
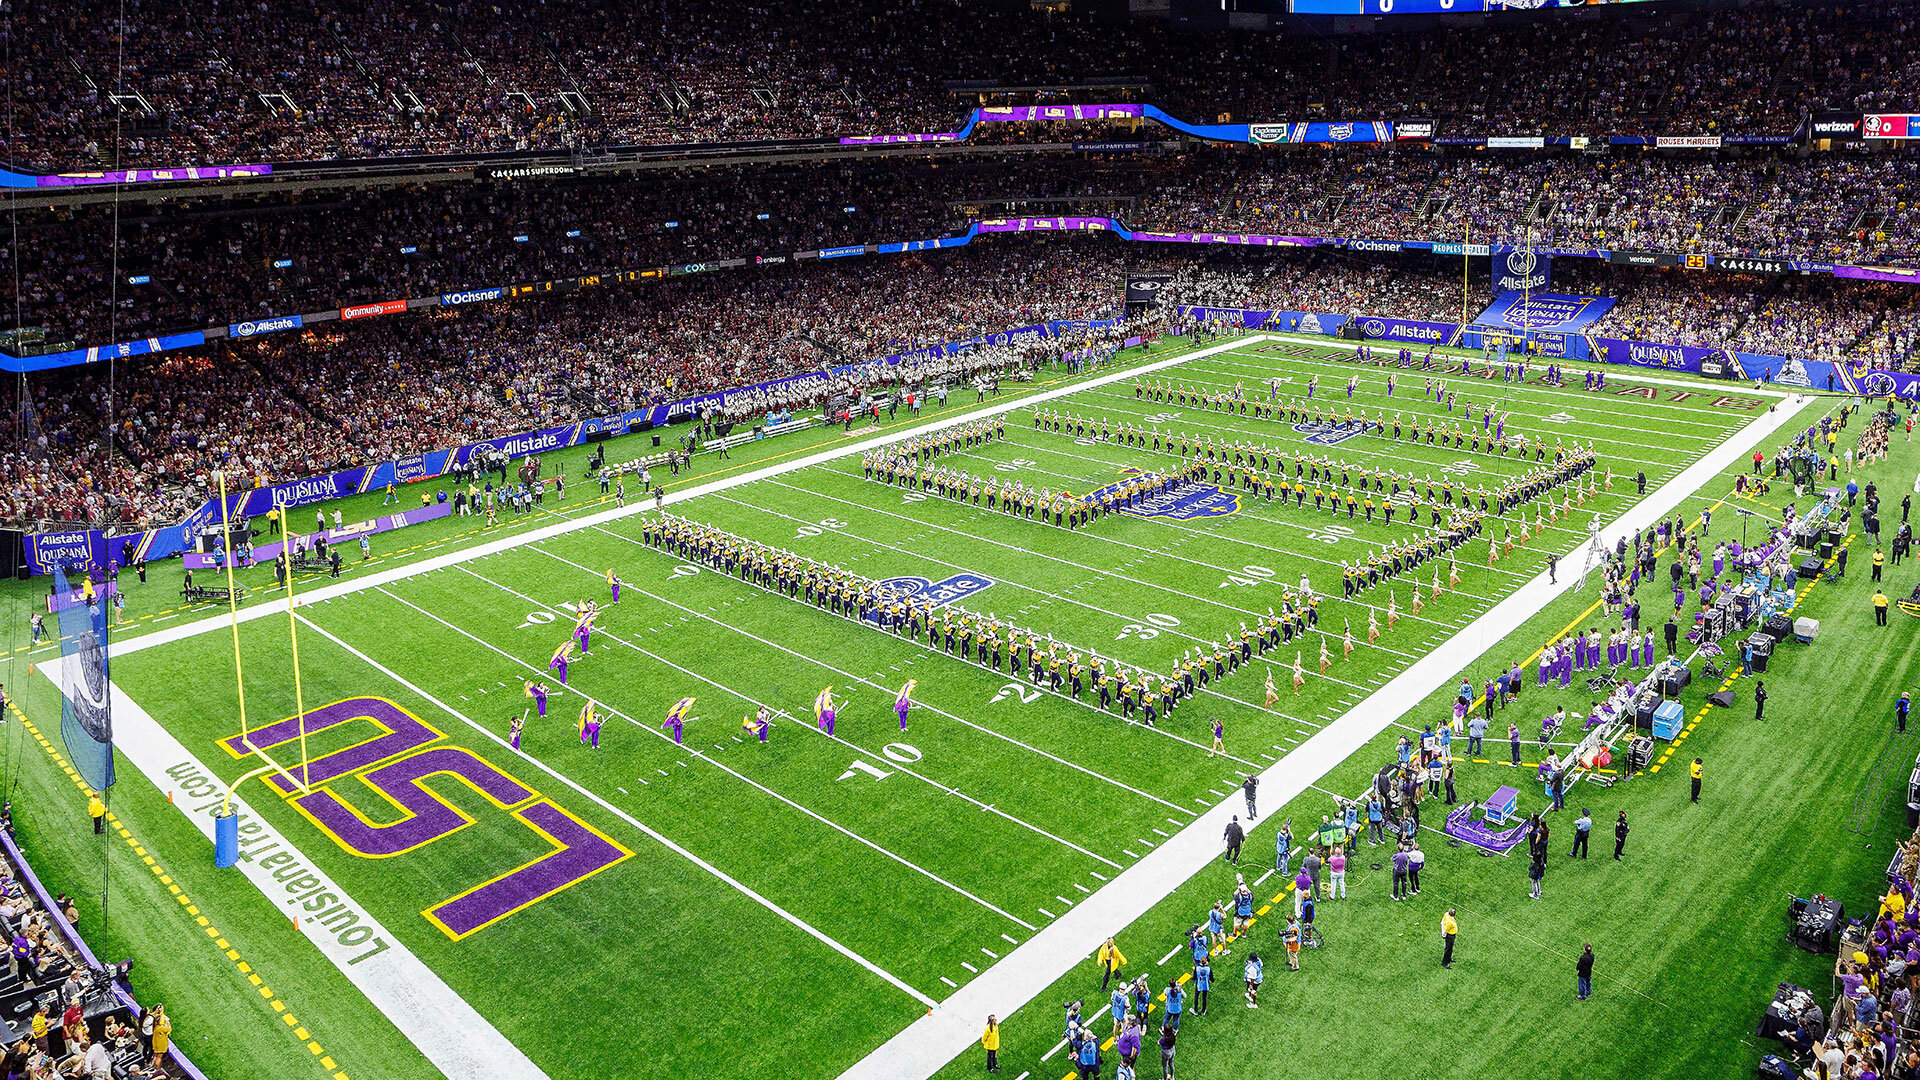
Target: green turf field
x=784 y=909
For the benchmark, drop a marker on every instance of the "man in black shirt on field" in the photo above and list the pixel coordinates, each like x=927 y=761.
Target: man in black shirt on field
x=1235 y=837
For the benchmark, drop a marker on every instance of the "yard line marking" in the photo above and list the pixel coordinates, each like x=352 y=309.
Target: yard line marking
x=610 y=808
x=1047 y=913
x=989 y=952
x=823 y=819
x=1083 y=888
x=847 y=674
x=1169 y=956
x=1189 y=532
x=1265 y=876
x=899 y=766
x=1160 y=832
x=1008 y=940
x=1003 y=579
x=1097 y=874
x=969 y=967
x=930 y=651
x=930 y=1042
x=949 y=982
x=511 y=541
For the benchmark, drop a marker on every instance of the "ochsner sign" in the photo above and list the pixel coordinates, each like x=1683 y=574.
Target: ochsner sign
x=471 y=296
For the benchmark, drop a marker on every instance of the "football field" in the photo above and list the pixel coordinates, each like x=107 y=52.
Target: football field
x=783 y=906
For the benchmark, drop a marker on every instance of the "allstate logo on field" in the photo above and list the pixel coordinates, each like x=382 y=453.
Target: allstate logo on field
x=1193 y=501
x=926 y=590
x=1325 y=434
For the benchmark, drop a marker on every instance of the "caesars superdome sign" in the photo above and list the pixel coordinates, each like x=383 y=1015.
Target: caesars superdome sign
x=1143 y=286
x=1521 y=270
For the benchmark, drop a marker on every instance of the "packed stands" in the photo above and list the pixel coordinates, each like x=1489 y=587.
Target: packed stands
x=228 y=83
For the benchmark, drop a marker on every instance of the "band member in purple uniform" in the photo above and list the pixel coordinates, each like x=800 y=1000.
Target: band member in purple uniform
x=538 y=692
x=561 y=656
x=759 y=724
x=676 y=720
x=590 y=725
x=514 y=727
x=823 y=710
x=904 y=701
x=613 y=582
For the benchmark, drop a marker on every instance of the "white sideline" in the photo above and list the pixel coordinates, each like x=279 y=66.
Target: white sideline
x=446 y=1029
x=929 y=1043
x=507 y=543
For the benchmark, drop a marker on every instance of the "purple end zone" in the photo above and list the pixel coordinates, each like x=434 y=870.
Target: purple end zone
x=428 y=818
x=581 y=853
x=404 y=732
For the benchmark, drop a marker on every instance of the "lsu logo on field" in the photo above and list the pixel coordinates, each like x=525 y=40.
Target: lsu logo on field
x=926 y=590
x=1325 y=434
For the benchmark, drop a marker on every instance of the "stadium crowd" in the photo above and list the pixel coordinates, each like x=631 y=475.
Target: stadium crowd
x=299 y=404
x=229 y=83
x=211 y=262
x=337 y=394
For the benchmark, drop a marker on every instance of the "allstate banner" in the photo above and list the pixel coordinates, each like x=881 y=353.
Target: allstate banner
x=1416 y=330
x=533 y=442
x=271 y=325
x=86 y=708
x=1545 y=311
x=1521 y=270
x=81 y=549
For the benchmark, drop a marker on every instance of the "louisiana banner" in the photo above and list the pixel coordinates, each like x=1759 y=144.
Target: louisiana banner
x=86 y=711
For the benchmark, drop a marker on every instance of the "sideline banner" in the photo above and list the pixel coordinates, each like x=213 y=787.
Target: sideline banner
x=1415 y=330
